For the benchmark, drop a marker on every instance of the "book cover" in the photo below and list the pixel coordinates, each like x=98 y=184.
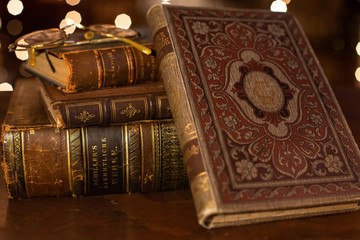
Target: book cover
x=94 y=66
x=147 y=101
x=262 y=135
x=40 y=160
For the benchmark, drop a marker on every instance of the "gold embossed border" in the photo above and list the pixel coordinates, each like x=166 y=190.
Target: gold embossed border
x=130 y=110
x=77 y=105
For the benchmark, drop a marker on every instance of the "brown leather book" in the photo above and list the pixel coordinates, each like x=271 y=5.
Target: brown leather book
x=90 y=67
x=40 y=160
x=262 y=135
x=147 y=101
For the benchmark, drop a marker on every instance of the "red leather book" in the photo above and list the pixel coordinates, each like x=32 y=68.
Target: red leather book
x=40 y=160
x=262 y=135
x=147 y=101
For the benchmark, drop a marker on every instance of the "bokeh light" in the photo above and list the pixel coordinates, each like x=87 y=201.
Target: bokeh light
x=0 y=23
x=74 y=15
x=358 y=48
x=165 y=2
x=73 y=2
x=123 y=21
x=14 y=27
x=278 y=6
x=357 y=74
x=6 y=87
x=68 y=25
x=21 y=54
x=15 y=7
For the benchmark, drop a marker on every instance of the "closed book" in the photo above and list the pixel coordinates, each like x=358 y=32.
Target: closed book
x=40 y=160
x=146 y=101
x=94 y=66
x=262 y=135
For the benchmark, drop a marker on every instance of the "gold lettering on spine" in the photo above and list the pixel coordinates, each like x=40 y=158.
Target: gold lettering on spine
x=114 y=166
x=162 y=39
x=24 y=165
x=95 y=165
x=104 y=162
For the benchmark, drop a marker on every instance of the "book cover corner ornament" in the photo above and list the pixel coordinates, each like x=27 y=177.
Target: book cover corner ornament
x=272 y=140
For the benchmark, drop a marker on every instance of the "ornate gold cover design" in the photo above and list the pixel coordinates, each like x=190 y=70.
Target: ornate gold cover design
x=85 y=116
x=130 y=111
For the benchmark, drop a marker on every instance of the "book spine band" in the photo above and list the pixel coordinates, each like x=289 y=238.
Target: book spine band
x=116 y=110
x=183 y=118
x=128 y=158
x=104 y=68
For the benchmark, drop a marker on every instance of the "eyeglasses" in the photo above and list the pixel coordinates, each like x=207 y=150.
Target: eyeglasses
x=55 y=37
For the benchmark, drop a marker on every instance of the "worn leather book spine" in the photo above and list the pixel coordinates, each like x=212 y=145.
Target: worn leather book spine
x=104 y=68
x=101 y=110
x=182 y=114
x=127 y=158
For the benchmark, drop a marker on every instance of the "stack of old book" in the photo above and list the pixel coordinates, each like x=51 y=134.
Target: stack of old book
x=94 y=119
x=261 y=132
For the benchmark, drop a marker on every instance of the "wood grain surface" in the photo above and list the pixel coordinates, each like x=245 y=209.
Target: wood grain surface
x=166 y=215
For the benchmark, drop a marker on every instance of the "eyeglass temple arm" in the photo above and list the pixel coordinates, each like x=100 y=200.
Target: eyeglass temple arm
x=136 y=45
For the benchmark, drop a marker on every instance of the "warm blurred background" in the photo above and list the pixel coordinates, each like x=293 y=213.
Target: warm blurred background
x=332 y=26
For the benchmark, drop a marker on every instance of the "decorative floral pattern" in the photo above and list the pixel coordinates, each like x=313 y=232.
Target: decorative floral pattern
x=276 y=30
x=297 y=144
x=130 y=111
x=283 y=138
x=85 y=116
x=210 y=63
x=200 y=27
x=246 y=169
x=333 y=163
x=230 y=121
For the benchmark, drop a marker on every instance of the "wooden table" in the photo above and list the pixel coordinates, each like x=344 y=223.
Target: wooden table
x=165 y=215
